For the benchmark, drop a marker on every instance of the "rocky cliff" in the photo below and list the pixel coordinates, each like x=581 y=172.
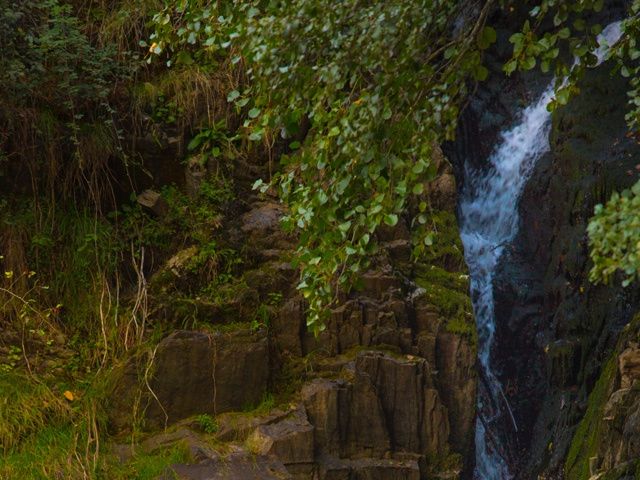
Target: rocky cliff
x=386 y=391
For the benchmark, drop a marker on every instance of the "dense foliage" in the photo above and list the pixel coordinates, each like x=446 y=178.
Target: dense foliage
x=360 y=92
x=56 y=91
x=614 y=234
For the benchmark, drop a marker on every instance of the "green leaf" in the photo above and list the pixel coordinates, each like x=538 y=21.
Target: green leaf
x=529 y=63
x=481 y=73
x=428 y=239
x=255 y=136
x=563 y=95
x=391 y=219
x=487 y=37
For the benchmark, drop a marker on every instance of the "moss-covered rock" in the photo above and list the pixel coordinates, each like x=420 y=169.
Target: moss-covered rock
x=606 y=440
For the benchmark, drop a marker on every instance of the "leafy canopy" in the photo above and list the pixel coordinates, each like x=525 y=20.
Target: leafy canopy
x=377 y=83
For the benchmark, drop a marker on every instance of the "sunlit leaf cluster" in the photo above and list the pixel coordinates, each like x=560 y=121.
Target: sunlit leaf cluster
x=614 y=236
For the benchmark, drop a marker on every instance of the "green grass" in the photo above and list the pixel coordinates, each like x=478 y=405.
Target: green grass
x=44 y=436
x=26 y=407
x=145 y=466
x=48 y=454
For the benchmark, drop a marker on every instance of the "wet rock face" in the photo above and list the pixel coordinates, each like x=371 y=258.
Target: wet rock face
x=415 y=328
x=565 y=325
x=554 y=327
x=607 y=442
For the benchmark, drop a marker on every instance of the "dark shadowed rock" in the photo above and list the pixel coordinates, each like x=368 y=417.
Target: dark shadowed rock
x=456 y=380
x=390 y=407
x=193 y=373
x=238 y=465
x=290 y=440
x=417 y=419
x=629 y=365
x=154 y=202
x=331 y=468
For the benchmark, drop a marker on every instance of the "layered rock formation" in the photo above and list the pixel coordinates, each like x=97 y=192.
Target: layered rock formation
x=386 y=391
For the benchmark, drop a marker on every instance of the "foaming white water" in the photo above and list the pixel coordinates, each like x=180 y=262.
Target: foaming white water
x=489 y=221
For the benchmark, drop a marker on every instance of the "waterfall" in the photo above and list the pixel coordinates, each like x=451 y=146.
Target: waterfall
x=489 y=221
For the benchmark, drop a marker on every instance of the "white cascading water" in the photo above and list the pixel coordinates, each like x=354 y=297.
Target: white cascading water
x=489 y=221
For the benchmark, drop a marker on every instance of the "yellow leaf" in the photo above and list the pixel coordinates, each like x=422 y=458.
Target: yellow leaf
x=68 y=395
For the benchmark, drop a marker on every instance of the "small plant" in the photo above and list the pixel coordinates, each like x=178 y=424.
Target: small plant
x=274 y=298
x=164 y=111
x=214 y=142
x=12 y=359
x=261 y=318
x=207 y=423
x=266 y=405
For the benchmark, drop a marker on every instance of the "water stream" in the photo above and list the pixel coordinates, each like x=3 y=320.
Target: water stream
x=489 y=221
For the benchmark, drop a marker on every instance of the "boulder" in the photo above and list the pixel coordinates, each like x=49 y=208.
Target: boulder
x=417 y=418
x=348 y=418
x=153 y=201
x=289 y=440
x=391 y=405
x=331 y=468
x=194 y=373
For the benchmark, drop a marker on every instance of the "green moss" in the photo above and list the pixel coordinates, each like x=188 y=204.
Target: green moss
x=586 y=439
x=449 y=293
x=446 y=250
x=445 y=463
x=441 y=271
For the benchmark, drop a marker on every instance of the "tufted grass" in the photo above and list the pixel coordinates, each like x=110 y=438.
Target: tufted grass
x=26 y=407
